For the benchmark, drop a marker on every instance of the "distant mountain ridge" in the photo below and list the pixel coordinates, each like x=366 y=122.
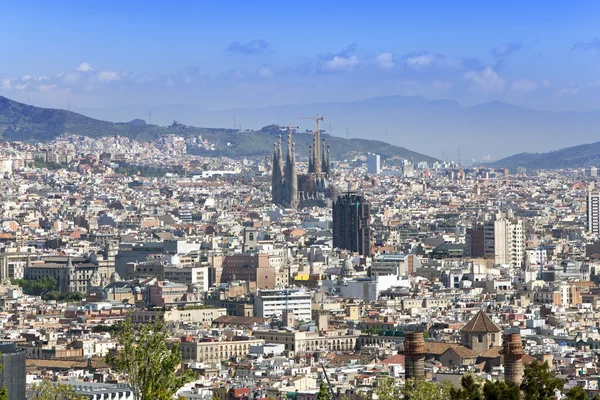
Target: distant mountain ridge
x=582 y=156
x=24 y=122
x=495 y=129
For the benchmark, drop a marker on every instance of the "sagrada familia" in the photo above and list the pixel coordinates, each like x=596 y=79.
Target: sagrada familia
x=289 y=189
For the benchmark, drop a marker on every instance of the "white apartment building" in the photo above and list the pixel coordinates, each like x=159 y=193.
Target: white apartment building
x=509 y=241
x=274 y=302
x=593 y=212
x=197 y=276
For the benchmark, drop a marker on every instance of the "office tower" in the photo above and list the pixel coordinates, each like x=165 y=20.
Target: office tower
x=13 y=371
x=512 y=349
x=593 y=212
x=475 y=241
x=593 y=171
x=351 y=224
x=374 y=164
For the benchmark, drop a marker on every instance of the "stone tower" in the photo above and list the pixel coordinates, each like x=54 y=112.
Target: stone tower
x=414 y=355
x=512 y=349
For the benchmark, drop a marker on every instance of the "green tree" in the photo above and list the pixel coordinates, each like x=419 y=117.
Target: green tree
x=324 y=392
x=386 y=389
x=470 y=389
x=149 y=361
x=37 y=287
x=538 y=383
x=423 y=390
x=500 y=390
x=50 y=391
x=577 y=393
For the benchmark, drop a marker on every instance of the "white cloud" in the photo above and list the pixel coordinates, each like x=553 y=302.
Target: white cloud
x=108 y=76
x=572 y=90
x=425 y=60
x=545 y=83
x=70 y=77
x=486 y=79
x=6 y=84
x=339 y=63
x=523 y=86
x=84 y=67
x=46 y=88
x=385 y=60
x=265 y=72
x=420 y=61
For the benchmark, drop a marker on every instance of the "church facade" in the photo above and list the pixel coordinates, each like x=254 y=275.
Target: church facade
x=288 y=188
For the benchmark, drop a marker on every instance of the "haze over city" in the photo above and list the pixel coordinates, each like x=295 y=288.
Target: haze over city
x=118 y=61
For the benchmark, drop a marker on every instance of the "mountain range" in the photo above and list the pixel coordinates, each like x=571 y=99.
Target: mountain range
x=442 y=128
x=24 y=122
x=581 y=156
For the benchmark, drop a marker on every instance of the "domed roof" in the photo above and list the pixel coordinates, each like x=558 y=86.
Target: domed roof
x=95 y=279
x=114 y=277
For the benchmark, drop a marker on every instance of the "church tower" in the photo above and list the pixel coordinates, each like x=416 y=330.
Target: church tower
x=277 y=174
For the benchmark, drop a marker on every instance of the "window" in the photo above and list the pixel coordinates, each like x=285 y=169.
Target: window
x=480 y=338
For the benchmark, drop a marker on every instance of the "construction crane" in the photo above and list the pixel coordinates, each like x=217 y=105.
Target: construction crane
x=318 y=119
x=328 y=382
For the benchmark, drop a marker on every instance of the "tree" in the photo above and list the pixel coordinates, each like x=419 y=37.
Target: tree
x=423 y=390
x=538 y=383
x=470 y=389
x=577 y=393
x=324 y=392
x=500 y=390
x=149 y=361
x=386 y=389
x=50 y=391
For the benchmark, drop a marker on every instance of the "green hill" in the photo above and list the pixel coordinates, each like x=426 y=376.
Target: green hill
x=23 y=122
x=582 y=156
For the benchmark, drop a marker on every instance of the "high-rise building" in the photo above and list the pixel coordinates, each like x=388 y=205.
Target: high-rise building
x=509 y=241
x=475 y=241
x=13 y=371
x=351 y=224
x=593 y=212
x=374 y=164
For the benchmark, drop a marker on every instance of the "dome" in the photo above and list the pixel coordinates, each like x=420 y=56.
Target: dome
x=114 y=277
x=95 y=279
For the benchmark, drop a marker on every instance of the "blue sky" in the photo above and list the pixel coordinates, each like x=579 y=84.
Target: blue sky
x=230 y=54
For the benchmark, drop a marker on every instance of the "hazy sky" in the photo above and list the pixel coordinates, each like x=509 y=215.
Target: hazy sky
x=229 y=54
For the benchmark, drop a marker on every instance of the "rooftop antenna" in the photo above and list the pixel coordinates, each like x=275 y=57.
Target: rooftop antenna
x=458 y=154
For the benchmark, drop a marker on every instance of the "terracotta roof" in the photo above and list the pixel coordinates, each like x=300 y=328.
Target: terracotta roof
x=397 y=359
x=480 y=323
x=437 y=349
x=527 y=359
x=463 y=352
x=492 y=352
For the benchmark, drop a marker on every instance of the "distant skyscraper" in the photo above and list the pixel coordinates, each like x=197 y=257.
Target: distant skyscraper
x=374 y=164
x=351 y=224
x=593 y=212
